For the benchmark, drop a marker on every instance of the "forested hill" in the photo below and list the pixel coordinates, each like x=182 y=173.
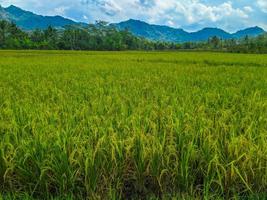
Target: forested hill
x=29 y=21
x=101 y=36
x=165 y=33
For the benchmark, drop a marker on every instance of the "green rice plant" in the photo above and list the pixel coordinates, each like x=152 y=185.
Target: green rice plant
x=132 y=125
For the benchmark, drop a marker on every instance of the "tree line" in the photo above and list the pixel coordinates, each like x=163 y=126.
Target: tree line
x=99 y=36
x=244 y=45
x=102 y=36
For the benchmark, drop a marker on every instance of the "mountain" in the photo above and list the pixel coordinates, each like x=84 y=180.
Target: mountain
x=28 y=20
x=165 y=33
x=207 y=33
x=254 y=31
x=153 y=32
x=4 y=14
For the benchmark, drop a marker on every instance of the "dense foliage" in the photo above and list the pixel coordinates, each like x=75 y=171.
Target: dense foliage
x=246 y=45
x=102 y=36
x=93 y=37
x=133 y=125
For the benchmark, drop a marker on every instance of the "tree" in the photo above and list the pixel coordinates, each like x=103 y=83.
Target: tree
x=51 y=37
x=4 y=28
x=215 y=42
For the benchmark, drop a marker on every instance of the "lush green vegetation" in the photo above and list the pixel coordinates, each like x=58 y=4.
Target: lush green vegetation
x=245 y=45
x=101 y=36
x=132 y=125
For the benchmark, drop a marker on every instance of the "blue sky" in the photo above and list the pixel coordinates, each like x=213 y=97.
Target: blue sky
x=191 y=15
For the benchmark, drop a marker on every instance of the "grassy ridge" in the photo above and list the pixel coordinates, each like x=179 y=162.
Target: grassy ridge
x=102 y=125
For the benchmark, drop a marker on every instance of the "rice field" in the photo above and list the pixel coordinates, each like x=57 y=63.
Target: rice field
x=132 y=125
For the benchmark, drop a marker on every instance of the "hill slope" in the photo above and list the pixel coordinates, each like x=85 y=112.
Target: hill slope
x=28 y=20
x=254 y=31
x=165 y=33
x=153 y=32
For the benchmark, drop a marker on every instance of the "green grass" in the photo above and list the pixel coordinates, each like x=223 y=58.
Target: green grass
x=132 y=125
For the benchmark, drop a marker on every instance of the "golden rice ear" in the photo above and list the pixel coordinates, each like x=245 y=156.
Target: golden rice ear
x=132 y=125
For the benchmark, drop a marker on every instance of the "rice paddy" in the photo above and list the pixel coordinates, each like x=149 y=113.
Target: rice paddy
x=132 y=125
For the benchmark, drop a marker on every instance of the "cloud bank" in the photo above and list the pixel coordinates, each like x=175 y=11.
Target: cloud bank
x=187 y=14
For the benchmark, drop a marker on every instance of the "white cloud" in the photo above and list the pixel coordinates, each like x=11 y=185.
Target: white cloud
x=85 y=17
x=195 y=11
x=183 y=12
x=262 y=5
x=189 y=14
x=248 y=9
x=60 y=11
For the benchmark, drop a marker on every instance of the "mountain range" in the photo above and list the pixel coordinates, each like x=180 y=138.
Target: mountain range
x=29 y=21
x=166 y=33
